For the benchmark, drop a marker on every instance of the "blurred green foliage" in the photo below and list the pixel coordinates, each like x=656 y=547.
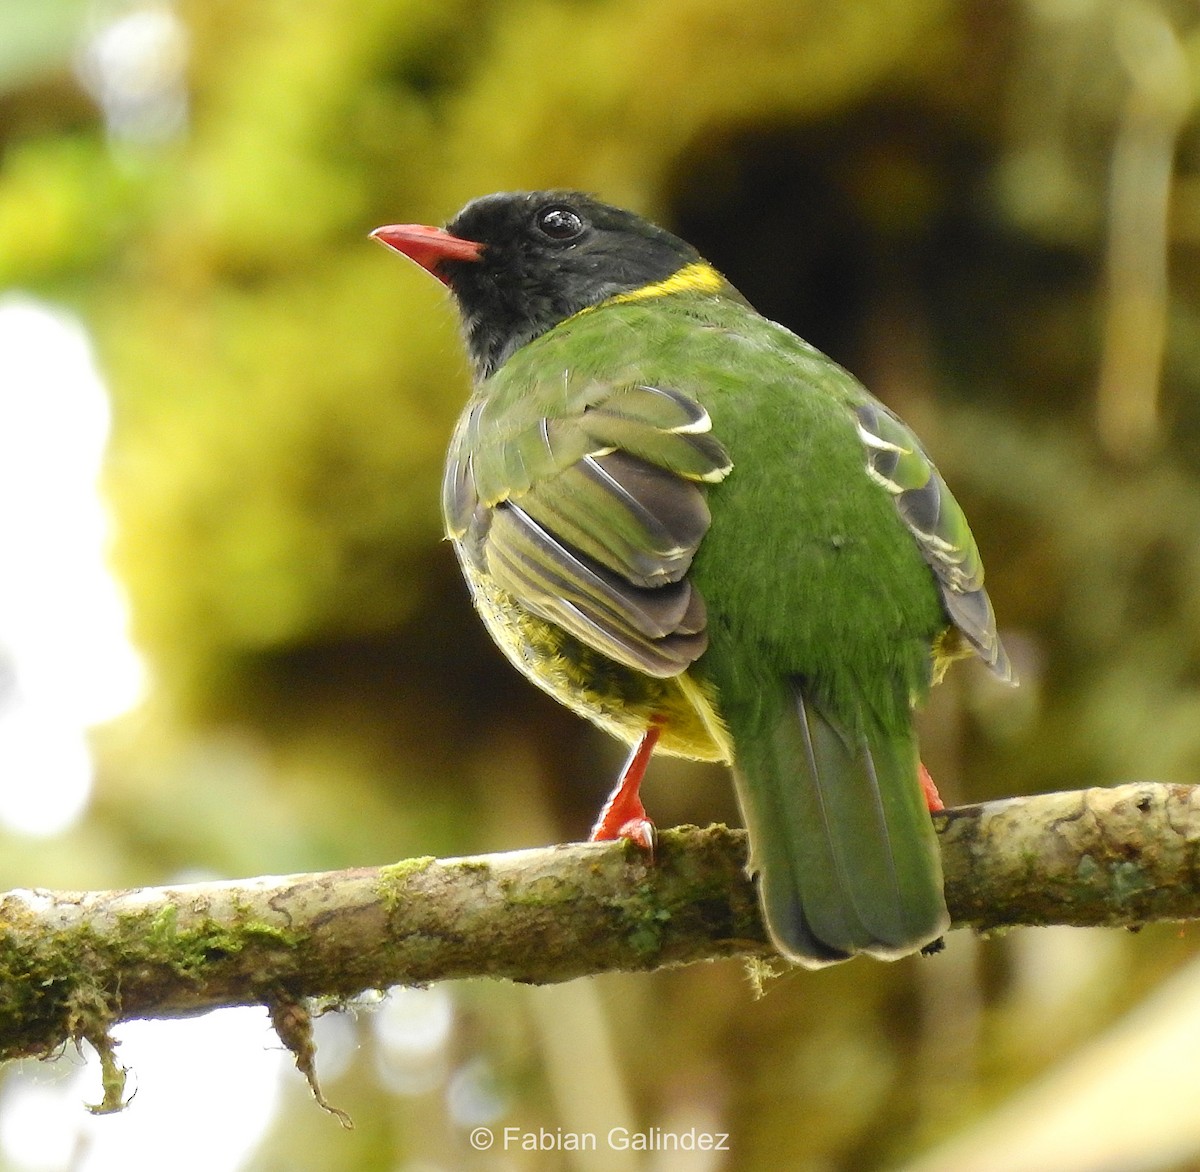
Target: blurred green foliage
x=923 y=188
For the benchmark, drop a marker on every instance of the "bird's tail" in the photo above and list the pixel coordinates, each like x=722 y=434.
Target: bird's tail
x=840 y=836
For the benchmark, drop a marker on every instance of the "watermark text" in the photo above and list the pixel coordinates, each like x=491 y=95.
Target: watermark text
x=615 y=1139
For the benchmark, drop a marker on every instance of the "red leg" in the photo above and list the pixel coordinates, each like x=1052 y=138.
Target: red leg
x=932 y=798
x=623 y=815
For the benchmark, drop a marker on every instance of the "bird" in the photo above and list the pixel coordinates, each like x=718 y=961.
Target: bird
x=693 y=528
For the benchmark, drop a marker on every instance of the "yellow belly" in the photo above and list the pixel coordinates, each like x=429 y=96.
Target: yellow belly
x=617 y=698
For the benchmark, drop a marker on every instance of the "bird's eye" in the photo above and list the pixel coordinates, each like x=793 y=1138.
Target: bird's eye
x=559 y=223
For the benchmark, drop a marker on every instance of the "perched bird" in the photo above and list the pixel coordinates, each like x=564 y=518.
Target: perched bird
x=693 y=528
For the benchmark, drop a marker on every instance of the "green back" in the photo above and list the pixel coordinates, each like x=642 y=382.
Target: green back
x=807 y=561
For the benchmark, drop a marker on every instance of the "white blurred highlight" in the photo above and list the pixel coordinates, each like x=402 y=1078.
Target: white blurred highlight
x=134 y=66
x=412 y=1030
x=65 y=658
x=183 y=1071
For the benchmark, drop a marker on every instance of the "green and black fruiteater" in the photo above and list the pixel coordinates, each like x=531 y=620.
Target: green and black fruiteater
x=696 y=530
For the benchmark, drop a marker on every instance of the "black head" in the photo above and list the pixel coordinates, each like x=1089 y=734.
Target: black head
x=520 y=262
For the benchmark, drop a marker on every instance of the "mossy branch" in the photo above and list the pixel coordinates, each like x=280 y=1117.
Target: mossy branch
x=72 y=964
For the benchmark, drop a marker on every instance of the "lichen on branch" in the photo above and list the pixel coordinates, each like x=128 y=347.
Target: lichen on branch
x=73 y=964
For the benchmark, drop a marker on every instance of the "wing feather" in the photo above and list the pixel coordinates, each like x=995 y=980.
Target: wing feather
x=590 y=518
x=896 y=461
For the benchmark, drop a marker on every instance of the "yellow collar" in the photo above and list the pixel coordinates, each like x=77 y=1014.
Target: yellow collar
x=698 y=277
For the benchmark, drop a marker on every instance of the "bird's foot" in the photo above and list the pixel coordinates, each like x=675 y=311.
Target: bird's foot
x=932 y=798
x=640 y=831
x=623 y=815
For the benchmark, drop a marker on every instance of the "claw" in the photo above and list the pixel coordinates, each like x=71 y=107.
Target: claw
x=641 y=832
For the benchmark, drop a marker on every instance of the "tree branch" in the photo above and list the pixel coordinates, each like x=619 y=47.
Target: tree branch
x=72 y=964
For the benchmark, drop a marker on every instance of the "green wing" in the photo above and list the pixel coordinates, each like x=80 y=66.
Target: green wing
x=589 y=514
x=896 y=461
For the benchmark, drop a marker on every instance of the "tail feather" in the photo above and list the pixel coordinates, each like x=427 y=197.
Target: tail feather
x=841 y=839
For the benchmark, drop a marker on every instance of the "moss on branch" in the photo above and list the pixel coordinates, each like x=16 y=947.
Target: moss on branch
x=72 y=964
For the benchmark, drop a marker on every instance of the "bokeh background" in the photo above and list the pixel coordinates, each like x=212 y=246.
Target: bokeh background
x=233 y=643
